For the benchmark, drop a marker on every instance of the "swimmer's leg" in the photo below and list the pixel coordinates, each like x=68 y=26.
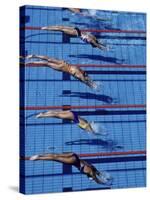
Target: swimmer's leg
x=55 y=28
x=66 y=29
x=38 y=56
x=38 y=63
x=67 y=158
x=58 y=114
x=44 y=58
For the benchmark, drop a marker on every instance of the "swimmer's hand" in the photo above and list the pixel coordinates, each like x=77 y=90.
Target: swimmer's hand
x=104 y=48
x=104 y=177
x=96 y=85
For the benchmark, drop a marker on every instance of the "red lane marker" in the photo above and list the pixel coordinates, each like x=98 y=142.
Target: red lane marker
x=111 y=66
x=112 y=153
x=92 y=30
x=113 y=31
x=83 y=107
x=91 y=65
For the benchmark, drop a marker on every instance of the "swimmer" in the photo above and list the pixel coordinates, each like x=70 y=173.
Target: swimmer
x=73 y=159
x=61 y=65
x=89 y=13
x=74 y=31
x=73 y=117
x=75 y=10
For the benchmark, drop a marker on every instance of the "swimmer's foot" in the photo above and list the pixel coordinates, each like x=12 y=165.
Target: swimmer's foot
x=39 y=115
x=44 y=28
x=35 y=157
x=30 y=56
x=46 y=114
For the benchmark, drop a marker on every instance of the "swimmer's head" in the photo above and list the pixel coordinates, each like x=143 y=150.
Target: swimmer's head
x=98 y=129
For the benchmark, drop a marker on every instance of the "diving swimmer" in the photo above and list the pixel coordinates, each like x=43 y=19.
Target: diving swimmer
x=100 y=177
x=89 y=127
x=61 y=65
x=74 y=31
x=88 y=13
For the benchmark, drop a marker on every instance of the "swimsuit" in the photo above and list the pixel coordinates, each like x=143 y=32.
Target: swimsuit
x=79 y=164
x=82 y=165
x=78 y=31
x=76 y=118
x=84 y=73
x=66 y=67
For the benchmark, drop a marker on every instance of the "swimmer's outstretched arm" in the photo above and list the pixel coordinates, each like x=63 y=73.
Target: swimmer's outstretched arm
x=97 y=180
x=88 y=81
x=100 y=46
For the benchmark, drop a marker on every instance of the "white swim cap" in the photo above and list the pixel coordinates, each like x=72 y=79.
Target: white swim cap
x=98 y=128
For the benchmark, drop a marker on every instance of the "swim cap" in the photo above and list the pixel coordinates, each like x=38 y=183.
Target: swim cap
x=83 y=125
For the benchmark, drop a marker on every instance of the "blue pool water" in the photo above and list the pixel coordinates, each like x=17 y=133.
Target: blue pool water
x=46 y=87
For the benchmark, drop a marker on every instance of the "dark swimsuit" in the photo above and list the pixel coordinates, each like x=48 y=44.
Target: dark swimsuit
x=76 y=118
x=78 y=31
x=78 y=164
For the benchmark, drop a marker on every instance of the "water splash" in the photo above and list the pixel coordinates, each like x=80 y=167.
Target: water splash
x=97 y=86
x=98 y=129
x=105 y=178
x=92 y=12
